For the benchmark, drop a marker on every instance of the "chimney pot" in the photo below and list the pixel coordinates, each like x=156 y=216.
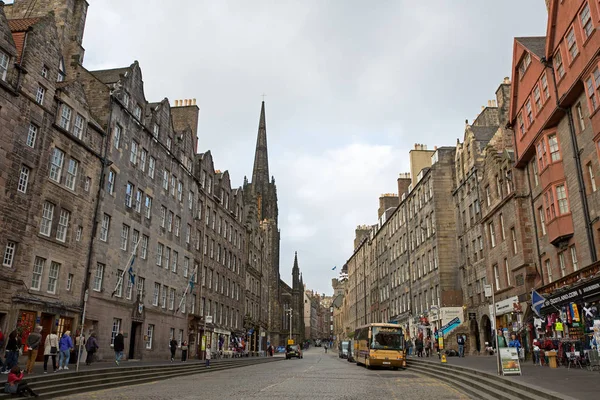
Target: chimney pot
x=506 y=80
x=194 y=101
x=186 y=102
x=489 y=103
x=176 y=103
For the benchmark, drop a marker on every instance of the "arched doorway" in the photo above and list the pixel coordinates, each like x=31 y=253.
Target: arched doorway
x=474 y=336
x=486 y=328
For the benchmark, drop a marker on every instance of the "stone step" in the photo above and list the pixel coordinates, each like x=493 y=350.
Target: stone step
x=495 y=389
x=53 y=386
x=498 y=382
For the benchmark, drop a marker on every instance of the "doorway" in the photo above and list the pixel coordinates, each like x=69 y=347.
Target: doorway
x=135 y=331
x=474 y=328
x=486 y=327
x=47 y=324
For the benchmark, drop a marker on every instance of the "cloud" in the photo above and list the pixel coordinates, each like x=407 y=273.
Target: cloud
x=349 y=84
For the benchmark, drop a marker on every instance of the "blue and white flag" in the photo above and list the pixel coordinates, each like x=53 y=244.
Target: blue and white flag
x=130 y=271
x=537 y=302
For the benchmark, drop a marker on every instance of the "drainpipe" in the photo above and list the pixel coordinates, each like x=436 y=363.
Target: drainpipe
x=537 y=239
x=105 y=163
x=579 y=169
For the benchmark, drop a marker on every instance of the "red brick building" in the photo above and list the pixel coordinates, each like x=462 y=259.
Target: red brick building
x=557 y=130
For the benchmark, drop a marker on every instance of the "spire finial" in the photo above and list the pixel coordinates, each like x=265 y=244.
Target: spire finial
x=260 y=174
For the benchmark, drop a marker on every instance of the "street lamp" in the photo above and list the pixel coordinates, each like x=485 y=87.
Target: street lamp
x=289 y=311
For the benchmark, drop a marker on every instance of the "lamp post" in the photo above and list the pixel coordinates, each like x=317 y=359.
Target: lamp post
x=289 y=311
x=489 y=291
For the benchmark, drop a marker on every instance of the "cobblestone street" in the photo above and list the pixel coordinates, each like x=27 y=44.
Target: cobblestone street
x=316 y=376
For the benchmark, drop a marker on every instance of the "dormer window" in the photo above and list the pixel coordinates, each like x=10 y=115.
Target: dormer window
x=524 y=65
x=44 y=71
x=61 y=71
x=137 y=111
x=3 y=65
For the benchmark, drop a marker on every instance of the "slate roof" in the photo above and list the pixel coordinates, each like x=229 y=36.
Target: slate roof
x=535 y=44
x=484 y=133
x=110 y=75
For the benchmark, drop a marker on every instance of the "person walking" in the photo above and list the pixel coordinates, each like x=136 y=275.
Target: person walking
x=91 y=347
x=79 y=344
x=33 y=343
x=325 y=349
x=501 y=339
x=12 y=352
x=419 y=346
x=184 y=351
x=536 y=352
x=50 y=350
x=461 y=345
x=427 y=346
x=119 y=346
x=409 y=346
x=207 y=357
x=15 y=385
x=64 y=346
x=173 y=346
x=516 y=343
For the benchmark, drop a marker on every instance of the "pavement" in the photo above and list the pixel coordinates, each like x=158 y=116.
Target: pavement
x=38 y=369
x=316 y=376
x=579 y=383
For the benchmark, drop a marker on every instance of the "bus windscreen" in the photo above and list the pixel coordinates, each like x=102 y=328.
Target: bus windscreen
x=387 y=339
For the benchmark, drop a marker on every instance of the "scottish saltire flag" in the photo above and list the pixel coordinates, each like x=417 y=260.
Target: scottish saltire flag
x=333 y=269
x=130 y=271
x=192 y=280
x=537 y=302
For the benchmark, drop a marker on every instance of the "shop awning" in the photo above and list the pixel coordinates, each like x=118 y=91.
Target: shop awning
x=580 y=292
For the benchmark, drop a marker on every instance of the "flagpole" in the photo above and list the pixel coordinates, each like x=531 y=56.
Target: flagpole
x=120 y=280
x=187 y=288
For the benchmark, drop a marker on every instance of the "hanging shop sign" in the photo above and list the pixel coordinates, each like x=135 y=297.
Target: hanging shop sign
x=506 y=306
x=581 y=292
x=509 y=358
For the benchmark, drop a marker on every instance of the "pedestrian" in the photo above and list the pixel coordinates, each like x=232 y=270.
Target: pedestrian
x=50 y=350
x=461 y=345
x=184 y=351
x=79 y=343
x=207 y=357
x=1 y=347
x=516 y=343
x=15 y=385
x=173 y=346
x=12 y=352
x=427 y=346
x=325 y=349
x=536 y=352
x=64 y=347
x=501 y=339
x=119 y=346
x=91 y=347
x=409 y=346
x=419 y=346
x=33 y=343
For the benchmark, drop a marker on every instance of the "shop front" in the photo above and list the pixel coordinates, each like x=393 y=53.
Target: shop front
x=570 y=319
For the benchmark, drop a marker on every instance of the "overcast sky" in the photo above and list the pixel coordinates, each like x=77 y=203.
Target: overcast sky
x=350 y=87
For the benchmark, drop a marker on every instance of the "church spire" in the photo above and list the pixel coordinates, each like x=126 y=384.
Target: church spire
x=260 y=174
x=295 y=272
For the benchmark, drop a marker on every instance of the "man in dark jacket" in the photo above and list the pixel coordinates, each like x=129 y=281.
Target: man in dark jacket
x=33 y=343
x=91 y=346
x=173 y=345
x=119 y=346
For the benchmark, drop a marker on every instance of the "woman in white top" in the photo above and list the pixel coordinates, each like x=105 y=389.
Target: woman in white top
x=50 y=350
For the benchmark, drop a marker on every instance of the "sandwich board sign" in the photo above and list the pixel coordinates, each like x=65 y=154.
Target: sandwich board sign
x=509 y=358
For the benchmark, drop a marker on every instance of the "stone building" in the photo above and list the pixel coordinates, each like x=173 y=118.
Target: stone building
x=52 y=157
x=105 y=192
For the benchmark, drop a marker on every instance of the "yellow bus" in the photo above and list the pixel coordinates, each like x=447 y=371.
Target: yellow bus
x=380 y=345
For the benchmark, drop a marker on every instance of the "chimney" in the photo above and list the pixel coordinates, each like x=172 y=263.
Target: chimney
x=506 y=78
x=489 y=103
x=403 y=183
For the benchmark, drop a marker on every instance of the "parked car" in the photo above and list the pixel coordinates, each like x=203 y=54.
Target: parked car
x=343 y=349
x=351 y=351
x=280 y=349
x=293 y=350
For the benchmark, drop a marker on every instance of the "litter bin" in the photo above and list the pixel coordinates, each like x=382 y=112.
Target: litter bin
x=552 y=359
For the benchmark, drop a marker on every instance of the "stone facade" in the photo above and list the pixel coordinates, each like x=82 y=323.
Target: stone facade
x=51 y=168
x=105 y=193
